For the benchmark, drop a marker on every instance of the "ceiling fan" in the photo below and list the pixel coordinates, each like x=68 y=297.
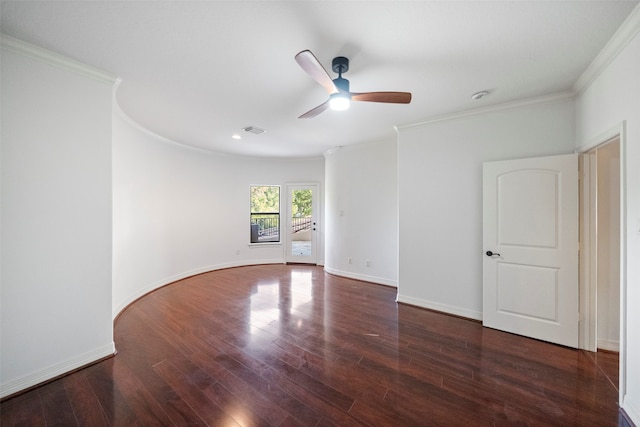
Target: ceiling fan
x=339 y=94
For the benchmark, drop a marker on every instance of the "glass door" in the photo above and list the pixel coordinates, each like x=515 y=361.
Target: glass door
x=302 y=223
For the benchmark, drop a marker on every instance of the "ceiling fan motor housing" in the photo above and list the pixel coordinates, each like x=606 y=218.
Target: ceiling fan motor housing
x=340 y=65
x=341 y=84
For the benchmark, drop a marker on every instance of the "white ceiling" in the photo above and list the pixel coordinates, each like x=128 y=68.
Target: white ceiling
x=198 y=71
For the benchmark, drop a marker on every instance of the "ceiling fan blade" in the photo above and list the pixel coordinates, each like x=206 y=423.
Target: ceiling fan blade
x=314 y=112
x=390 y=97
x=312 y=66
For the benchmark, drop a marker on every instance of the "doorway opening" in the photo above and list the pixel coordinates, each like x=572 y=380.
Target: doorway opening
x=600 y=254
x=600 y=245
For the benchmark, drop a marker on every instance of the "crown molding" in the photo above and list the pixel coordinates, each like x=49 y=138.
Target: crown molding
x=332 y=150
x=627 y=31
x=119 y=112
x=37 y=53
x=547 y=99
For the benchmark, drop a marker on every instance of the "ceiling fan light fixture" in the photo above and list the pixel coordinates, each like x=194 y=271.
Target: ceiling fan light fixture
x=339 y=101
x=340 y=96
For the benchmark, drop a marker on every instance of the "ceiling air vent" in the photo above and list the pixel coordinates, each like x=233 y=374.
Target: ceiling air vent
x=254 y=130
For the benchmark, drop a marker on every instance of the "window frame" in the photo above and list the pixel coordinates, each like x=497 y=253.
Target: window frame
x=254 y=236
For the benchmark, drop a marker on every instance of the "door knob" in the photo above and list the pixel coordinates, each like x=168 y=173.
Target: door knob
x=489 y=253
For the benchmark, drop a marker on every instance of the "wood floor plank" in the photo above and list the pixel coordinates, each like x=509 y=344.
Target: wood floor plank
x=56 y=406
x=290 y=345
x=86 y=405
x=133 y=383
x=23 y=410
x=143 y=388
x=191 y=393
x=296 y=397
x=238 y=409
x=256 y=398
x=250 y=370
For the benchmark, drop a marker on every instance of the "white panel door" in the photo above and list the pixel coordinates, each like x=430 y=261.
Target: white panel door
x=302 y=223
x=530 y=238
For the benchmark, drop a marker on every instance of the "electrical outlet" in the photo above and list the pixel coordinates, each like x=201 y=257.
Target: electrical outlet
x=238 y=252
x=367 y=263
x=350 y=260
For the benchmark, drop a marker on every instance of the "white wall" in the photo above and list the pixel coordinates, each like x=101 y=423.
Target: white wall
x=610 y=103
x=362 y=212
x=440 y=195
x=178 y=211
x=56 y=218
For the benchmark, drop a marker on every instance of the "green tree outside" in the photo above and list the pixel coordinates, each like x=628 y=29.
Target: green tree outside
x=265 y=199
x=301 y=203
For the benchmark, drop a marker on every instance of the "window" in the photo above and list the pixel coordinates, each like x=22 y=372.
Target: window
x=265 y=213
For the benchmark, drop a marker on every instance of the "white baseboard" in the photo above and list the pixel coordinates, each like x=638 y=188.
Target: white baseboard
x=609 y=345
x=18 y=384
x=632 y=409
x=450 y=309
x=121 y=305
x=363 y=277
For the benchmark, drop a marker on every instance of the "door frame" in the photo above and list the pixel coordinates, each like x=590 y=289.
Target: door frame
x=316 y=215
x=587 y=286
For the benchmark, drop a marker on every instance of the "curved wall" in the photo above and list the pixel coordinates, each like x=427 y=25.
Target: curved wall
x=179 y=211
x=55 y=304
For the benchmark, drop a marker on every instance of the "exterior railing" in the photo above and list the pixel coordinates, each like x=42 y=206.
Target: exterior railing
x=265 y=227
x=300 y=224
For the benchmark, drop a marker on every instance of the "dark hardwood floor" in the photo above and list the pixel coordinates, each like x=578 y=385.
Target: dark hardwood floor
x=282 y=345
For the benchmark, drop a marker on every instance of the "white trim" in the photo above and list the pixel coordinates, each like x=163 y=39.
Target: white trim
x=119 y=112
x=53 y=371
x=587 y=299
x=176 y=277
x=601 y=138
x=618 y=131
x=632 y=409
x=609 y=345
x=363 y=277
x=623 y=265
x=625 y=33
x=547 y=99
x=332 y=151
x=457 y=311
x=316 y=211
x=48 y=57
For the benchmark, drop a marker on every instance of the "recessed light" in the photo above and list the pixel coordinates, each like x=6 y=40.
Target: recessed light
x=236 y=136
x=480 y=95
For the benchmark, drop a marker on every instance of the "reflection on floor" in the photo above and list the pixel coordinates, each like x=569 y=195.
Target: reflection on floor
x=291 y=345
x=608 y=363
